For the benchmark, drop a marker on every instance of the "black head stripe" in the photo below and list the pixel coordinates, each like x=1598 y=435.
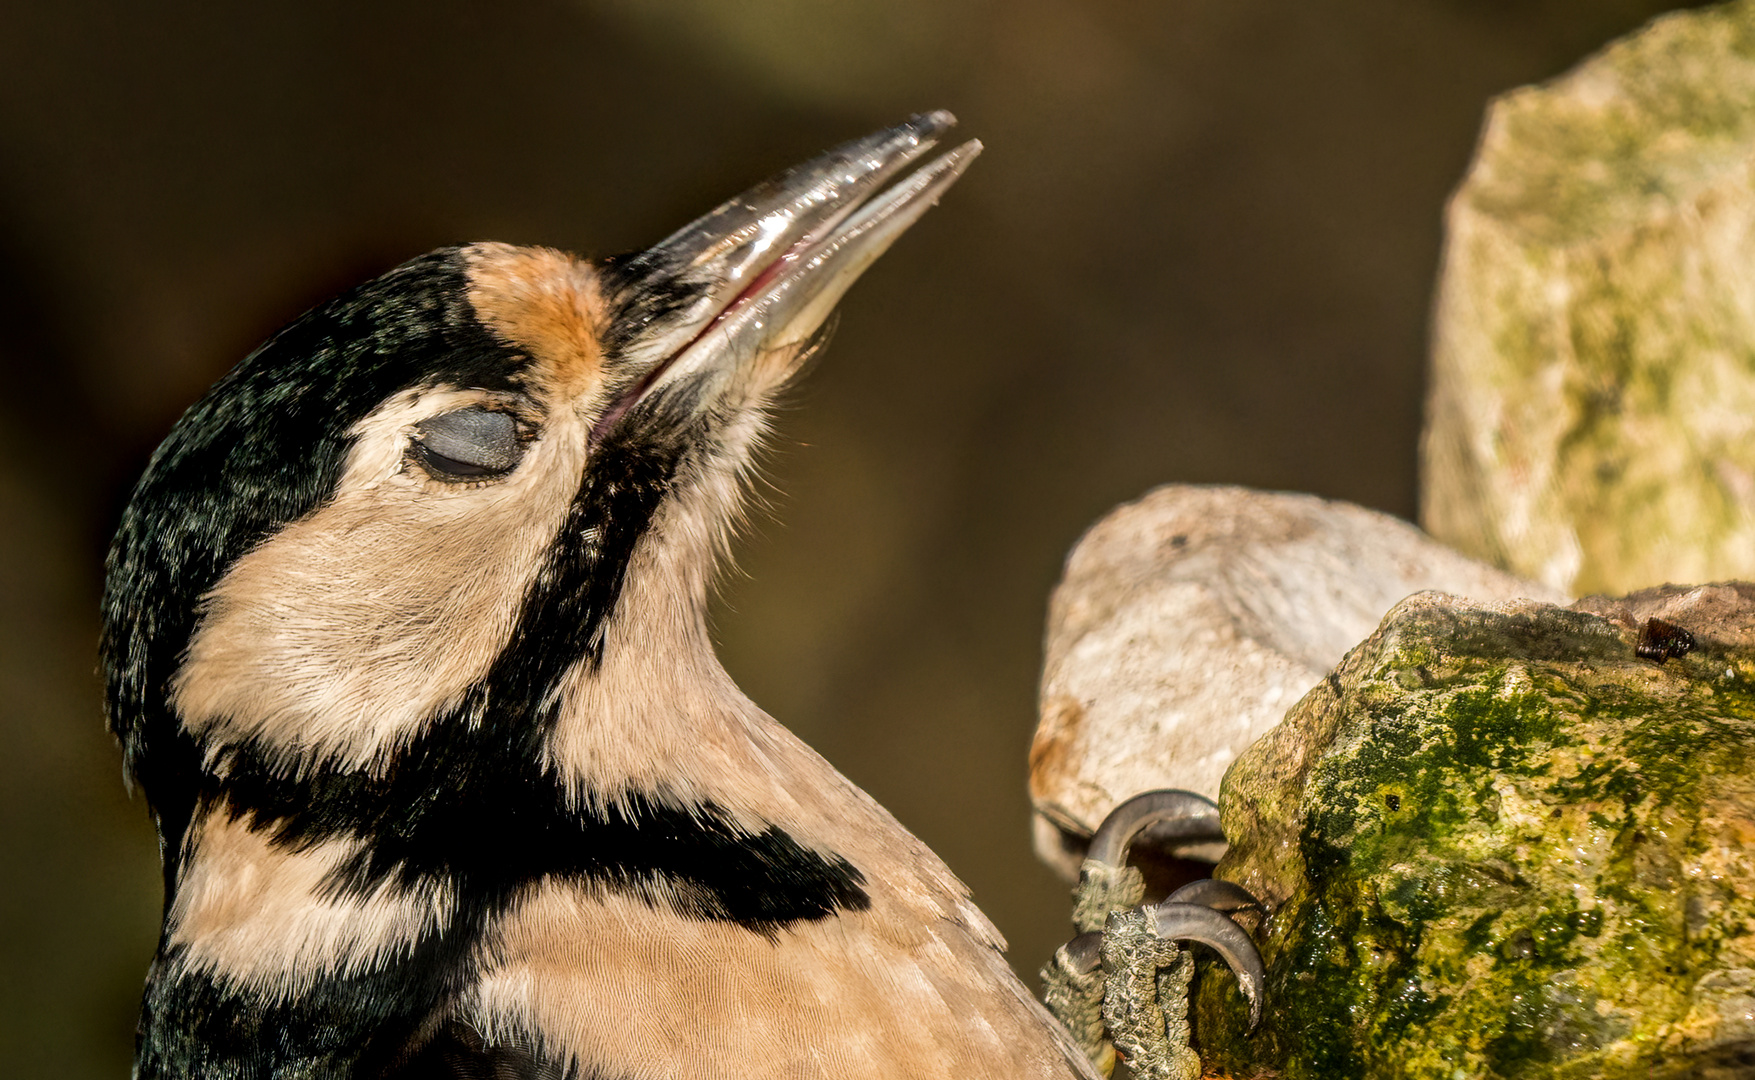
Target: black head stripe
x=569 y=604
x=643 y=294
x=263 y=448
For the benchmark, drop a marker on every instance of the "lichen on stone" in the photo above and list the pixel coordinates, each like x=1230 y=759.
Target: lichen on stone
x=1592 y=409
x=1497 y=843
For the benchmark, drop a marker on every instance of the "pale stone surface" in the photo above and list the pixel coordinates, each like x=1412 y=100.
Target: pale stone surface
x=1189 y=621
x=1499 y=842
x=1592 y=415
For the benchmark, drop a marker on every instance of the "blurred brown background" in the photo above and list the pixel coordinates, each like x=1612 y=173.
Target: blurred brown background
x=1199 y=247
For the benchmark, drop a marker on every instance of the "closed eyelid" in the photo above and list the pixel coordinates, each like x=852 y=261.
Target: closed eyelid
x=474 y=441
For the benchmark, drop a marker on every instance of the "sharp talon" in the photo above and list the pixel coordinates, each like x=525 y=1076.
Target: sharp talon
x=1170 y=815
x=1216 y=893
x=1084 y=954
x=1178 y=921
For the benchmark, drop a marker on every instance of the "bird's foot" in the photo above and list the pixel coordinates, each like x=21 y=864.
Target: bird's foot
x=1122 y=984
x=1072 y=988
x=1145 y=998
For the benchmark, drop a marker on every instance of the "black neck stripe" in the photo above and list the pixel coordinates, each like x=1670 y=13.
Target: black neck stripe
x=451 y=811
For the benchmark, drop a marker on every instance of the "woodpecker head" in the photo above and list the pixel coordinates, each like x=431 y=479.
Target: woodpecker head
x=454 y=491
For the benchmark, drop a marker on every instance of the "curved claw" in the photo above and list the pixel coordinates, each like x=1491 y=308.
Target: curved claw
x=1195 y=922
x=1169 y=814
x=1216 y=893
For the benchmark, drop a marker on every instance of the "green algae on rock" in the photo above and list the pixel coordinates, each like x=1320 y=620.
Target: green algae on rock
x=1591 y=421
x=1496 y=843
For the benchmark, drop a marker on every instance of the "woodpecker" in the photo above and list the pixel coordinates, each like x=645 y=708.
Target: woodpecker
x=406 y=644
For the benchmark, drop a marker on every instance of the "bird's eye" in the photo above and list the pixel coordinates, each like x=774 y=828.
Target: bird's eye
x=469 y=444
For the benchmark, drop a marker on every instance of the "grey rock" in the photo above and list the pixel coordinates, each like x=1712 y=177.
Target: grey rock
x=1189 y=621
x=1591 y=421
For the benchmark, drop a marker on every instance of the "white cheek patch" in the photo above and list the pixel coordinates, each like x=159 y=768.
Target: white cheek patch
x=336 y=638
x=264 y=919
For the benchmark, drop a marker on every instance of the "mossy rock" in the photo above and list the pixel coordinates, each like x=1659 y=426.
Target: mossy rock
x=1495 y=842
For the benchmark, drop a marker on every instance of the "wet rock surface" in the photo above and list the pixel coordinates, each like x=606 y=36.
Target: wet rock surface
x=1496 y=842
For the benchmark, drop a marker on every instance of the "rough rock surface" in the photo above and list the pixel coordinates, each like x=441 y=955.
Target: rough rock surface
x=1591 y=422
x=1189 y=621
x=1496 y=842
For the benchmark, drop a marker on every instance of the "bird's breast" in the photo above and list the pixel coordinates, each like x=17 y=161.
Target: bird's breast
x=872 y=994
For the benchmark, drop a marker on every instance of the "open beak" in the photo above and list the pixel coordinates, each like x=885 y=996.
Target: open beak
x=736 y=297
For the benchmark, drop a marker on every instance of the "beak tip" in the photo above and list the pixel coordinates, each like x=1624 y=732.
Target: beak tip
x=930 y=125
x=955 y=161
